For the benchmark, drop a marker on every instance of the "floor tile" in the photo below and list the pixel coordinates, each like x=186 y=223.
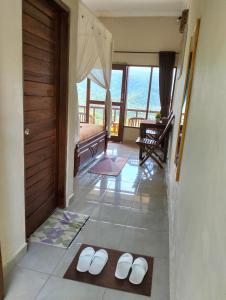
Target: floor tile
x=145 y=241
x=118 y=199
x=154 y=220
x=66 y=260
x=63 y=289
x=123 y=186
x=147 y=202
x=117 y=295
x=128 y=213
x=25 y=284
x=111 y=214
x=101 y=234
x=41 y=257
x=85 y=207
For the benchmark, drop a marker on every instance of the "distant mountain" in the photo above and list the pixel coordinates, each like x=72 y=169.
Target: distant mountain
x=137 y=91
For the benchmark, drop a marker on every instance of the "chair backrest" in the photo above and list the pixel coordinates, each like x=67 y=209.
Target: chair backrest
x=135 y=122
x=167 y=128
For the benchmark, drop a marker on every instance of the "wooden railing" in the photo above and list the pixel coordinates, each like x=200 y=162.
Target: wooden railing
x=137 y=113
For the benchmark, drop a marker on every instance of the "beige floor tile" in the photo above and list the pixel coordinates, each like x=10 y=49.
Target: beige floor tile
x=24 y=284
x=63 y=289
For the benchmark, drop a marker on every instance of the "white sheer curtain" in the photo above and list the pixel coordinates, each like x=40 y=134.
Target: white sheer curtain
x=94 y=57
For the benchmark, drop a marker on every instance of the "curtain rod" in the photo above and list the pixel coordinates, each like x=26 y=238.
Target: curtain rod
x=138 y=52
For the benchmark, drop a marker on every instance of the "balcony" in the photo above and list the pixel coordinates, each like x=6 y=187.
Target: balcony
x=96 y=116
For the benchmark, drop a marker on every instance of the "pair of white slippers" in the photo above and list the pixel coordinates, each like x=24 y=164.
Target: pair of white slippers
x=139 y=268
x=91 y=261
x=94 y=262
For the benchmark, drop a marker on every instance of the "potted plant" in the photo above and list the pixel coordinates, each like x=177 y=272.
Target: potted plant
x=158 y=117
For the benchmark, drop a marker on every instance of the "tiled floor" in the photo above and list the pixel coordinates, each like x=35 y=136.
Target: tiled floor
x=128 y=213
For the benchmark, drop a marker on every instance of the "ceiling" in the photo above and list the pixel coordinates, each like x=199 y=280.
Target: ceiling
x=135 y=8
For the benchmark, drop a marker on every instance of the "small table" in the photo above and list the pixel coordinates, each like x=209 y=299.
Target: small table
x=153 y=124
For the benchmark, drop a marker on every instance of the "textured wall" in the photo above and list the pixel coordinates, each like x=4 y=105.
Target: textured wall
x=197 y=206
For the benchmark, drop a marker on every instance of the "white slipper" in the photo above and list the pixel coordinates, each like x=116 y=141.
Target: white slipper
x=139 y=270
x=99 y=261
x=123 y=266
x=85 y=259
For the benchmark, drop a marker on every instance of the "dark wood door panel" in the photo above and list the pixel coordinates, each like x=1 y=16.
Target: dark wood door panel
x=36 y=145
x=38 y=89
x=38 y=66
x=34 y=203
x=39 y=167
x=37 y=14
x=38 y=156
x=41 y=63
x=47 y=172
x=39 y=43
x=45 y=130
x=44 y=6
x=32 y=103
x=35 y=191
x=38 y=29
x=40 y=215
x=37 y=116
x=35 y=52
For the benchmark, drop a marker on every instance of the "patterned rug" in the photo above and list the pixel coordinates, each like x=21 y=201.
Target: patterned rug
x=60 y=229
x=109 y=165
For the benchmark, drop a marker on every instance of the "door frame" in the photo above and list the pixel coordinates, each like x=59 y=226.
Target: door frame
x=62 y=102
x=122 y=104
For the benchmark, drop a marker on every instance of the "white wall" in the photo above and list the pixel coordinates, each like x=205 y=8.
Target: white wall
x=197 y=206
x=12 y=211
x=142 y=34
x=12 y=225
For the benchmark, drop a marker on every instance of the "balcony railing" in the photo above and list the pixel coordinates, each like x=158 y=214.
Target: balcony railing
x=96 y=114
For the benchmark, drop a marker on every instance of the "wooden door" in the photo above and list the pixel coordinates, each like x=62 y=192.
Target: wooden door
x=118 y=89
x=42 y=113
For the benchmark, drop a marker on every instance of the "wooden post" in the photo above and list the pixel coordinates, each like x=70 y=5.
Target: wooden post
x=1 y=278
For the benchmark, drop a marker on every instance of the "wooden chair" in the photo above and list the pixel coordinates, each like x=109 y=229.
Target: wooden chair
x=153 y=133
x=152 y=145
x=135 y=122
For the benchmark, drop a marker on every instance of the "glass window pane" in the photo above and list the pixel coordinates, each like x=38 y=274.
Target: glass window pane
x=82 y=92
x=116 y=85
x=96 y=114
x=137 y=93
x=155 y=98
x=115 y=120
x=97 y=93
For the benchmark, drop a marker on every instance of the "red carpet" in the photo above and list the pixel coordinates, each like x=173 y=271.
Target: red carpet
x=108 y=165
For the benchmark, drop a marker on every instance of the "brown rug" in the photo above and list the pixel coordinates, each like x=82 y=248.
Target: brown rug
x=107 y=279
x=109 y=165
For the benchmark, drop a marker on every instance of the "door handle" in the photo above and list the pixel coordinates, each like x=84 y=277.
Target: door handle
x=27 y=131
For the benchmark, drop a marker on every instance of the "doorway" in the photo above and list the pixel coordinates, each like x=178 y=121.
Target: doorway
x=45 y=71
x=118 y=94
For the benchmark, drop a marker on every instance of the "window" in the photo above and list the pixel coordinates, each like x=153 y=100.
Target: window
x=143 y=99
x=137 y=93
x=116 y=85
x=82 y=96
x=142 y=96
x=154 y=103
x=97 y=93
